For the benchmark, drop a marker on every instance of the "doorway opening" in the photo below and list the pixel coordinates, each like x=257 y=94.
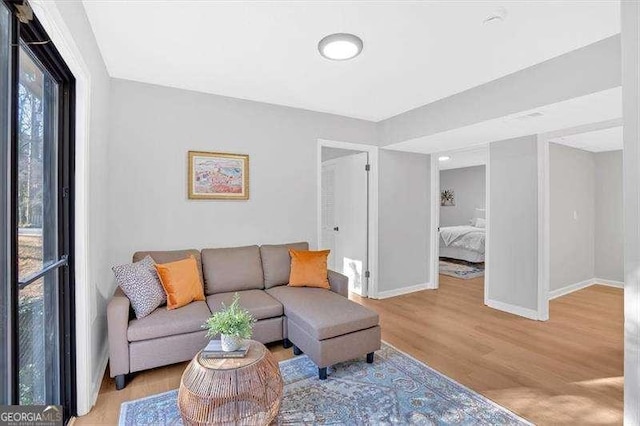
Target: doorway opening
x=459 y=219
x=345 y=214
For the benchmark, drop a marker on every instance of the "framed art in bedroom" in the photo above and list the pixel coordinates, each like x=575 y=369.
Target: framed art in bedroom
x=218 y=176
x=447 y=198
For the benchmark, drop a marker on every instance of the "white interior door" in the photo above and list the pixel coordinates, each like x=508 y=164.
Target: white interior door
x=351 y=202
x=328 y=215
x=344 y=200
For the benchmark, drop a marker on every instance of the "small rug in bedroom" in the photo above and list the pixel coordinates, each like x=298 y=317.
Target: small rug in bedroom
x=395 y=389
x=461 y=269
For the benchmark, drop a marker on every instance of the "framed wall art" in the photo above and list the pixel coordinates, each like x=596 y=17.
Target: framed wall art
x=218 y=176
x=447 y=198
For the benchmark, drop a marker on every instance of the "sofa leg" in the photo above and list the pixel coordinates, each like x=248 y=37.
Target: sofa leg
x=322 y=373
x=286 y=343
x=296 y=350
x=120 y=381
x=370 y=358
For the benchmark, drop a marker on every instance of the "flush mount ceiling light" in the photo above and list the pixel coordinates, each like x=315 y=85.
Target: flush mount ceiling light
x=340 y=46
x=444 y=158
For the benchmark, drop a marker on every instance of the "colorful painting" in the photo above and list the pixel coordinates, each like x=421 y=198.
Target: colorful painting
x=447 y=198
x=218 y=176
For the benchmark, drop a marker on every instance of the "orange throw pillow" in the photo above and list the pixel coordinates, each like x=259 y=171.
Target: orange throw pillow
x=181 y=282
x=309 y=268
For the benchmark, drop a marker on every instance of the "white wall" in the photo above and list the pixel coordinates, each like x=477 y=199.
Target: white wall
x=572 y=211
x=68 y=26
x=609 y=217
x=513 y=226
x=153 y=127
x=403 y=221
x=469 y=185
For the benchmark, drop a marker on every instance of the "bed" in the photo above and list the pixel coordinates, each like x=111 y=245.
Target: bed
x=464 y=242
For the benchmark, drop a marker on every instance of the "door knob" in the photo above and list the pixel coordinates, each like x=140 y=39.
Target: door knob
x=336 y=229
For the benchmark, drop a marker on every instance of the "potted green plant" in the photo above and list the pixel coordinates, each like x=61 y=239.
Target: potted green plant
x=233 y=323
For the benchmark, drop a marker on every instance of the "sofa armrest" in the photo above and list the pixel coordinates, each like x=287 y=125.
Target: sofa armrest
x=339 y=283
x=117 y=324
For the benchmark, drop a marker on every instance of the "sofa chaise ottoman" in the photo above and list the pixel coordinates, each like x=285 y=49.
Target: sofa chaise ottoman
x=324 y=324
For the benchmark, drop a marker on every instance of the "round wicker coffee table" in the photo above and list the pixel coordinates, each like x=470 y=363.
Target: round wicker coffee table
x=231 y=391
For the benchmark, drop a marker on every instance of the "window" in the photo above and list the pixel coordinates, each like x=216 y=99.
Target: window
x=36 y=122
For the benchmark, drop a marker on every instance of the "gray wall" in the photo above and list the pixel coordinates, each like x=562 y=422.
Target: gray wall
x=469 y=184
x=572 y=192
x=591 y=246
x=580 y=72
x=404 y=218
x=328 y=153
x=609 y=219
x=513 y=226
x=99 y=273
x=153 y=127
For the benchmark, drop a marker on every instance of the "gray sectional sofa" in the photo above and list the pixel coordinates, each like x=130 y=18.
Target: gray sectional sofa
x=324 y=324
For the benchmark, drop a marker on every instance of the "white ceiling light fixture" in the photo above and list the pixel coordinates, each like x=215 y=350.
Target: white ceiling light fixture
x=444 y=158
x=340 y=46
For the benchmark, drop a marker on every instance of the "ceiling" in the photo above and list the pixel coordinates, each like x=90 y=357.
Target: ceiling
x=596 y=141
x=582 y=111
x=414 y=52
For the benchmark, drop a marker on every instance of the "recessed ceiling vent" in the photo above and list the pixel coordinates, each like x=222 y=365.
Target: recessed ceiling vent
x=535 y=114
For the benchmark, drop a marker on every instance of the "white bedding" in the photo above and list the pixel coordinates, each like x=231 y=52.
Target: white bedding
x=463 y=237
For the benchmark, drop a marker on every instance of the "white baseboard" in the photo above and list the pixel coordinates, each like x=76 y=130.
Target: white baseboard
x=513 y=309
x=400 y=291
x=610 y=283
x=102 y=367
x=584 y=284
x=571 y=288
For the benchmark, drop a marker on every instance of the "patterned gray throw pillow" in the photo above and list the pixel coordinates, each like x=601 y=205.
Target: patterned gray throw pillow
x=141 y=284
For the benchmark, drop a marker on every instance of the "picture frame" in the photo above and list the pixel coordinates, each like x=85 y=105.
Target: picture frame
x=218 y=176
x=447 y=198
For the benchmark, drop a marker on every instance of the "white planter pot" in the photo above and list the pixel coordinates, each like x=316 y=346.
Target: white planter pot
x=230 y=343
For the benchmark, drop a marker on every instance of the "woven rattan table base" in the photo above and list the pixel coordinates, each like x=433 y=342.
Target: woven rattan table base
x=244 y=391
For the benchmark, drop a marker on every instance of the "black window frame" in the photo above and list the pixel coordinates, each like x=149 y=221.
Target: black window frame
x=33 y=36
x=5 y=267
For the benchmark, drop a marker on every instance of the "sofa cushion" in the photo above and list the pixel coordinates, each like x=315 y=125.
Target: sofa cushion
x=276 y=262
x=232 y=269
x=321 y=313
x=309 y=268
x=181 y=282
x=140 y=282
x=257 y=302
x=170 y=256
x=162 y=322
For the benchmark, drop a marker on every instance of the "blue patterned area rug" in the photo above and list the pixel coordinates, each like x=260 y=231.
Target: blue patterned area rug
x=395 y=390
x=461 y=269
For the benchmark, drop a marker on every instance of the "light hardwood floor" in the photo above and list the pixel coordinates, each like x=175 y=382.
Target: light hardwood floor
x=567 y=370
